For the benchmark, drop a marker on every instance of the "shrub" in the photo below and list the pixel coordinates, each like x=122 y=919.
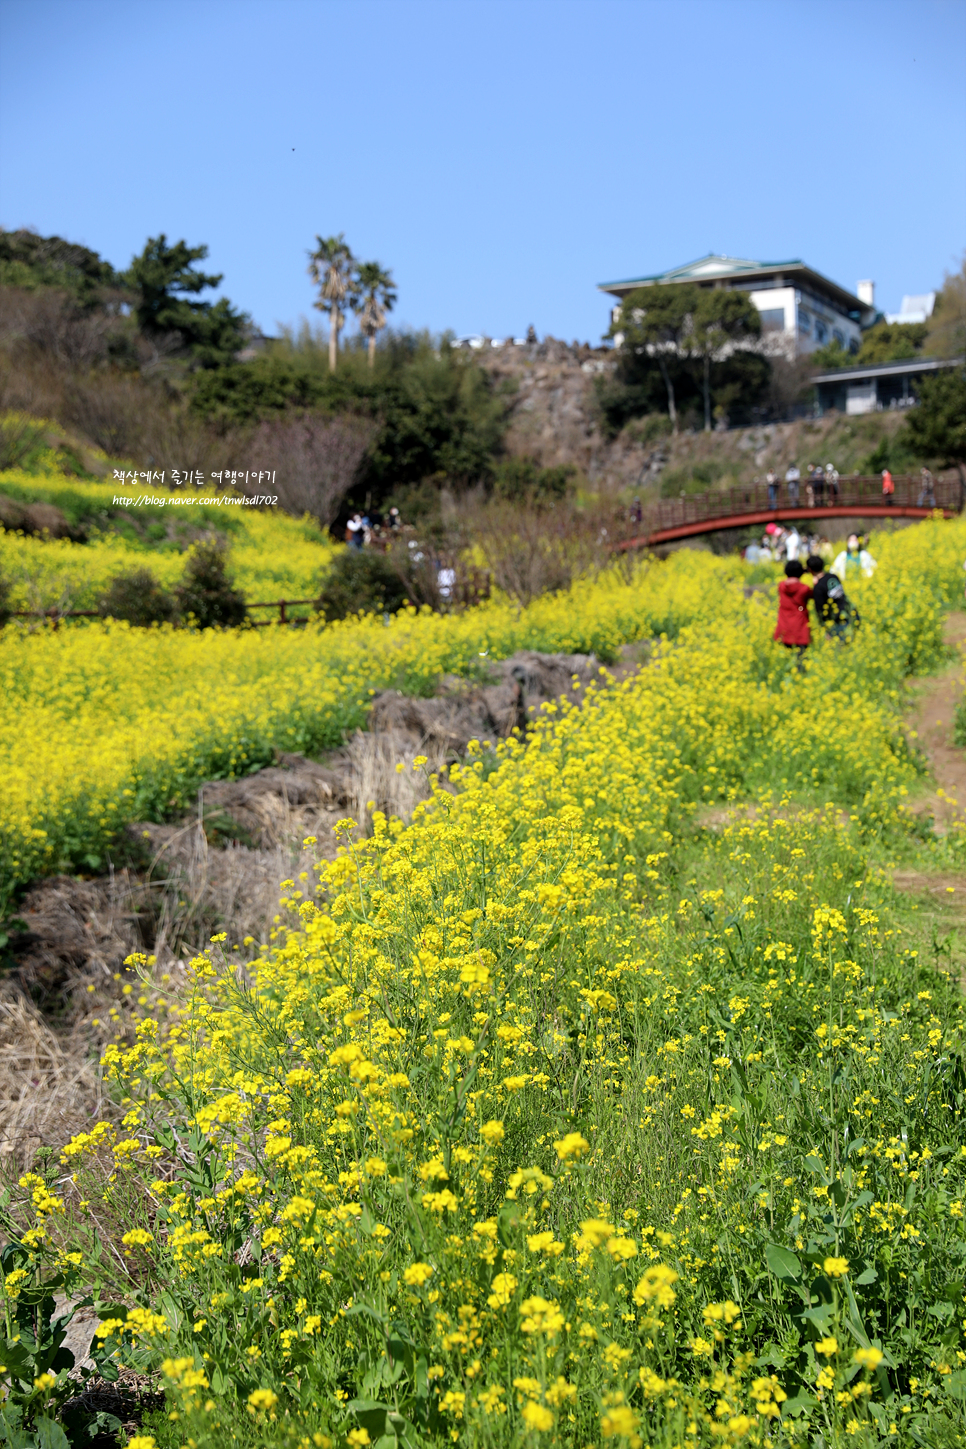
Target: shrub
x=362 y=581
x=522 y=480
x=139 y=598
x=207 y=593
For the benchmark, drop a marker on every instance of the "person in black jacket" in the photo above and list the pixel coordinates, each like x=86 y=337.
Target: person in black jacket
x=831 y=606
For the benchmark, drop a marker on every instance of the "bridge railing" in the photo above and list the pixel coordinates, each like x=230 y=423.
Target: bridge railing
x=856 y=492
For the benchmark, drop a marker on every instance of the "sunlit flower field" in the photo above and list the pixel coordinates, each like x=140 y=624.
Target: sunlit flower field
x=617 y=1099
x=272 y=556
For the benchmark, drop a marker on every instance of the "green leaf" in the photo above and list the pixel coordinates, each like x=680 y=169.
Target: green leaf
x=50 y=1435
x=782 y=1263
x=955 y=1384
x=869 y=1276
x=508 y=1219
x=819 y=1315
x=373 y=1416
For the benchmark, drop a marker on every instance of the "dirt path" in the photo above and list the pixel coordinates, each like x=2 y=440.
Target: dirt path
x=931 y=722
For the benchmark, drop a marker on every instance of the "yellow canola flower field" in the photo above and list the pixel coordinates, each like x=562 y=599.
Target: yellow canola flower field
x=562 y=1117
x=273 y=556
x=107 y=725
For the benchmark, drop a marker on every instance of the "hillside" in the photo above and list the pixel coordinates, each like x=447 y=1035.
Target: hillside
x=554 y=417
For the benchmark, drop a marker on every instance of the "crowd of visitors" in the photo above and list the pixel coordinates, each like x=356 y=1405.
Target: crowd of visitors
x=784 y=543
x=361 y=530
x=821 y=485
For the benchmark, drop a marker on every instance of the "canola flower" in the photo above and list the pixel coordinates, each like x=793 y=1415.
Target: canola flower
x=548 y=1115
x=107 y=725
x=273 y=555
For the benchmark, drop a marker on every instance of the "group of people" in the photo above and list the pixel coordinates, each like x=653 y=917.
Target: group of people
x=927 y=488
x=826 y=593
x=361 y=530
x=819 y=483
x=822 y=486
x=781 y=544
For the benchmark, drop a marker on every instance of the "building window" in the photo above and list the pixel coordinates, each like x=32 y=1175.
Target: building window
x=773 y=319
x=839 y=337
x=821 y=331
x=804 y=321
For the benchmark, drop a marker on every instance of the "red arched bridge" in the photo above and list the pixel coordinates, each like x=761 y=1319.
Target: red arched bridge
x=752 y=506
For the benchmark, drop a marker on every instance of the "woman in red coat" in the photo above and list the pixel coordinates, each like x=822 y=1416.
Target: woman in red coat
x=792 y=628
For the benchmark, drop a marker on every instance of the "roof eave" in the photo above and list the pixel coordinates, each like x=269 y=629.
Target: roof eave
x=885 y=369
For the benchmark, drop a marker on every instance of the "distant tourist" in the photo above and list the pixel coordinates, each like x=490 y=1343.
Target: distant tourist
x=446 y=579
x=818 y=484
x=853 y=561
x=793 y=543
x=927 y=489
x=829 y=601
x=888 y=487
x=355 y=532
x=792 y=627
x=637 y=512
x=771 y=478
x=793 y=480
x=394 y=520
x=832 y=482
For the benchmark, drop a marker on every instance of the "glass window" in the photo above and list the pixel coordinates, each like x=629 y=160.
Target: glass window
x=773 y=319
x=821 y=331
x=804 y=321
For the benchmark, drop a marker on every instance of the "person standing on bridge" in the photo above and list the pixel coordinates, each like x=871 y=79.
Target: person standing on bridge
x=793 y=479
x=818 y=484
x=792 y=628
x=927 y=489
x=888 y=487
x=771 y=478
x=832 y=483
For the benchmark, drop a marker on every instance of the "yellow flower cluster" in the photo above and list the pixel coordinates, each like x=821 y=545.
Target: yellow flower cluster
x=522 y=1134
x=273 y=556
x=105 y=725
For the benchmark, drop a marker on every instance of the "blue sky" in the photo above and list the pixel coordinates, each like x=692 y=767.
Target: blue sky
x=500 y=157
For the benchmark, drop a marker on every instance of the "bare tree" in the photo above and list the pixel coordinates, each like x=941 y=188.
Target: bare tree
x=532 y=550
x=315 y=461
x=53 y=324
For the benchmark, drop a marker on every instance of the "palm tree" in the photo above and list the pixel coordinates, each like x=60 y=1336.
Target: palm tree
x=331 y=268
x=378 y=294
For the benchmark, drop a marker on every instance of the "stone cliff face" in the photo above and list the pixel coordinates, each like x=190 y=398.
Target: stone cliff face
x=553 y=413
x=554 y=419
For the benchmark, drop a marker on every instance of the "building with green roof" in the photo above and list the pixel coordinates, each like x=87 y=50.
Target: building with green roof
x=800 y=309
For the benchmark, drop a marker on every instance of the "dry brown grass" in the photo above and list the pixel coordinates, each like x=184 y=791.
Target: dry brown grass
x=50 y=1085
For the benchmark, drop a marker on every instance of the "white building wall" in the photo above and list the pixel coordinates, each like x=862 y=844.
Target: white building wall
x=860 y=397
x=808 y=322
